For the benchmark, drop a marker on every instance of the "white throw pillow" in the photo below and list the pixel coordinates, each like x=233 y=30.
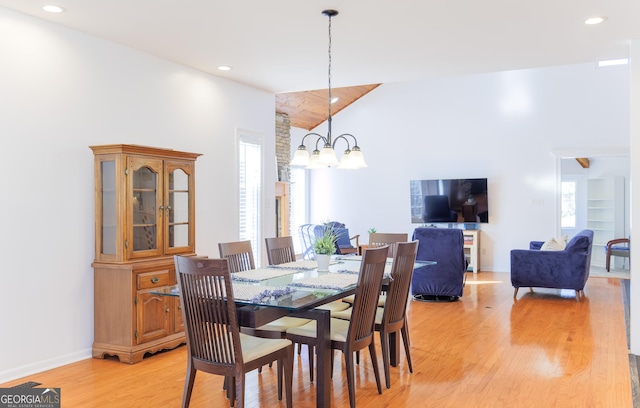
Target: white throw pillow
x=555 y=244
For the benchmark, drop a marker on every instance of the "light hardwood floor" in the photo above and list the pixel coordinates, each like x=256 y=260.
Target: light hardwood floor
x=544 y=350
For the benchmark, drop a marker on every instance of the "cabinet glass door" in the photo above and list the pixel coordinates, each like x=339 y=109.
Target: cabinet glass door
x=179 y=207
x=146 y=208
x=107 y=202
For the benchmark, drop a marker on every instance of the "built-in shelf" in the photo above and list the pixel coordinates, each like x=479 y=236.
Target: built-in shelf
x=605 y=214
x=472 y=249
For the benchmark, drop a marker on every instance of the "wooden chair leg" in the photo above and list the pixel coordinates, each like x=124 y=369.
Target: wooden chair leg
x=384 y=342
x=374 y=363
x=188 y=385
x=311 y=356
x=406 y=329
x=231 y=390
x=348 y=360
x=240 y=391
x=280 y=371
x=407 y=351
x=287 y=363
x=515 y=292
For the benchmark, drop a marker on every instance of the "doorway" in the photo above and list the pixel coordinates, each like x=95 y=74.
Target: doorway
x=594 y=194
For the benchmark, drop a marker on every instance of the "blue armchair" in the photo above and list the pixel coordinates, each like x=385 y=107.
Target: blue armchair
x=443 y=281
x=343 y=244
x=309 y=232
x=567 y=269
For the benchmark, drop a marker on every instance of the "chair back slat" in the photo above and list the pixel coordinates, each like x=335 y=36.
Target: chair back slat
x=365 y=302
x=401 y=275
x=377 y=239
x=239 y=254
x=209 y=311
x=280 y=250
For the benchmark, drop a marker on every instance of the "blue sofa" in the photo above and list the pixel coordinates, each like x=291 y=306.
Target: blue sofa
x=443 y=281
x=567 y=269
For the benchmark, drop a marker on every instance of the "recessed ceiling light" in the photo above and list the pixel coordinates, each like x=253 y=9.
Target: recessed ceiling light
x=54 y=9
x=335 y=99
x=224 y=68
x=595 y=20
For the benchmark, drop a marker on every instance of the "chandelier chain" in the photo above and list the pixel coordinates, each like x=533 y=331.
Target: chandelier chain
x=326 y=157
x=329 y=69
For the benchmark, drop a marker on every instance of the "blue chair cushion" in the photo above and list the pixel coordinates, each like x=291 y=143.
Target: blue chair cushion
x=343 y=238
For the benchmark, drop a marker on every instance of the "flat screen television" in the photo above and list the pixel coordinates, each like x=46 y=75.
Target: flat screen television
x=449 y=201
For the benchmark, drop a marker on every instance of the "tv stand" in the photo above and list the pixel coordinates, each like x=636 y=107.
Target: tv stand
x=472 y=249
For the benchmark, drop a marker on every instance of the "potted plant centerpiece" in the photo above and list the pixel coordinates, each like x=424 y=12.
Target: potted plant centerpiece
x=324 y=246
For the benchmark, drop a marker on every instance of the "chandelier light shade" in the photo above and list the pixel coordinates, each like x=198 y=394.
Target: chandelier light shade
x=352 y=157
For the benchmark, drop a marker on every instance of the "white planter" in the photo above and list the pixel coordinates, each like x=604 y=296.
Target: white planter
x=323 y=262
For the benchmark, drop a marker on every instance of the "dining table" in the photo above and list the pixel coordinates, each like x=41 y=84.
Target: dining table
x=297 y=289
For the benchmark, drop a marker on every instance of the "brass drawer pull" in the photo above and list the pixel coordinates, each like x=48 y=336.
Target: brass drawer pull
x=155 y=279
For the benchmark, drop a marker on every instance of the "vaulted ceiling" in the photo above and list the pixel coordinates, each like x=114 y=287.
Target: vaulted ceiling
x=281 y=46
x=309 y=109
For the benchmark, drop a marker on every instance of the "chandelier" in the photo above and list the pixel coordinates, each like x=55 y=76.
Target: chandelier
x=352 y=157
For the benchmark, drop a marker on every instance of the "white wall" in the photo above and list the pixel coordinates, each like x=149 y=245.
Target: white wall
x=60 y=92
x=503 y=126
x=634 y=323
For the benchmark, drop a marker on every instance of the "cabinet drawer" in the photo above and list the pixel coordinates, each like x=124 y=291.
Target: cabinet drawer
x=153 y=279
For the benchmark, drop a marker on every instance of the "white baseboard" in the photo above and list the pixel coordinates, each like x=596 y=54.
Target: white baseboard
x=30 y=369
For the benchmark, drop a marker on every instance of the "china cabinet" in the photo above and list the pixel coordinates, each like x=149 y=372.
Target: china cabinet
x=144 y=214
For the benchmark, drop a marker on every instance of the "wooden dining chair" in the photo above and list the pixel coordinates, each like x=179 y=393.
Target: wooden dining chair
x=356 y=334
x=280 y=250
x=214 y=342
x=377 y=239
x=239 y=254
x=391 y=317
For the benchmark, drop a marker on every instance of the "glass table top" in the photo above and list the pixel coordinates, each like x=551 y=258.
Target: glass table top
x=297 y=285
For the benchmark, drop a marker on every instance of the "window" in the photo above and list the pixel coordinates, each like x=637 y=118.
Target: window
x=298 y=210
x=568 y=204
x=250 y=190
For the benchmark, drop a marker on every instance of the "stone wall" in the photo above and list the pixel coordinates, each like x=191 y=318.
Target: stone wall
x=283 y=145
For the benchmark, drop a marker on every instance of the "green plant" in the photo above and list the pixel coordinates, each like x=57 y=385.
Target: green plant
x=326 y=243
x=372 y=230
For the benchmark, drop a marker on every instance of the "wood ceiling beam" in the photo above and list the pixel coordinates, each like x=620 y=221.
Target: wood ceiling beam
x=584 y=162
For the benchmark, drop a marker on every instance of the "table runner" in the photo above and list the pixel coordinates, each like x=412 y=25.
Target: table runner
x=257 y=275
x=306 y=265
x=354 y=268
x=328 y=281
x=256 y=293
